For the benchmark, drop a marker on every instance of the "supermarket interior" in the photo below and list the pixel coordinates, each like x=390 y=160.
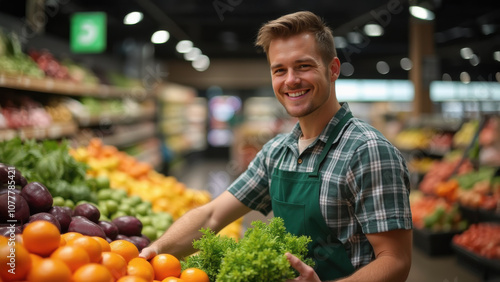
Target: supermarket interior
x=118 y=117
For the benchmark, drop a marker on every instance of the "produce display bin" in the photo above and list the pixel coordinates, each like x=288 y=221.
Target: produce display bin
x=479 y=215
x=488 y=269
x=433 y=243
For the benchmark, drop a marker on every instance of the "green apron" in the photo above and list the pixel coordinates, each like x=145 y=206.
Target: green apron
x=295 y=198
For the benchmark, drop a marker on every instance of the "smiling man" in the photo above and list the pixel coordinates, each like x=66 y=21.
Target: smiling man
x=334 y=177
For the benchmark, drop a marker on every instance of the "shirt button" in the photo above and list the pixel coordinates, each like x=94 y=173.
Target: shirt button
x=299 y=161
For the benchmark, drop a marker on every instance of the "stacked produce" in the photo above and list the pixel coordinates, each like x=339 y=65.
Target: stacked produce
x=31 y=201
x=435 y=213
x=138 y=178
x=482 y=239
x=42 y=253
x=13 y=61
x=22 y=111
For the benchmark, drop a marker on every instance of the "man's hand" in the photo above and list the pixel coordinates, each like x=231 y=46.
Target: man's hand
x=306 y=272
x=148 y=253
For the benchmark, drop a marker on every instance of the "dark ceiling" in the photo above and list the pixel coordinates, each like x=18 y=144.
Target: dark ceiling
x=227 y=28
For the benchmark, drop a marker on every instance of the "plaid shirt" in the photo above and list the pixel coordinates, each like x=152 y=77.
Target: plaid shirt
x=364 y=188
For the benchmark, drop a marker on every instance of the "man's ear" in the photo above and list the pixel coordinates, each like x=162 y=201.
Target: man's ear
x=334 y=69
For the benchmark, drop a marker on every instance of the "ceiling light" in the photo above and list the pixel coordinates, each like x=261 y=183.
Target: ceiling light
x=133 y=18
x=192 y=54
x=466 y=53
x=184 y=46
x=160 y=37
x=496 y=56
x=383 y=67
x=464 y=77
x=406 y=64
x=346 y=69
x=340 y=42
x=373 y=30
x=421 y=13
x=446 y=77
x=474 y=60
x=354 y=37
x=201 y=63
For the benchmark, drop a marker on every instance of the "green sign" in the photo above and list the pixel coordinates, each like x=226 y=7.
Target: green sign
x=88 y=32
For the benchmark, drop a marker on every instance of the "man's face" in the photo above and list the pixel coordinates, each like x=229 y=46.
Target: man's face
x=301 y=80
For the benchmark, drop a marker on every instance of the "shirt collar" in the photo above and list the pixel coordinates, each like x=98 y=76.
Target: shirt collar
x=296 y=131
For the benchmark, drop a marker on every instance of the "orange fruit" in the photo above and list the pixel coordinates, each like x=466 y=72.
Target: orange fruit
x=165 y=265
x=104 y=244
x=172 y=279
x=92 y=272
x=140 y=267
x=35 y=259
x=49 y=270
x=115 y=263
x=91 y=246
x=41 y=237
x=193 y=274
x=62 y=242
x=131 y=278
x=72 y=256
x=15 y=260
x=68 y=236
x=124 y=248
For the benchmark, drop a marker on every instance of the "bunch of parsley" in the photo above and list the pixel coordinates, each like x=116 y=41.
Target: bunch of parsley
x=258 y=256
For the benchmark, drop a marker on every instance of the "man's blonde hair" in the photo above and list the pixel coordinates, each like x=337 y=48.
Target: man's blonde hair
x=297 y=23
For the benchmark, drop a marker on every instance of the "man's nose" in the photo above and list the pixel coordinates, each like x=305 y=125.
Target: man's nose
x=292 y=78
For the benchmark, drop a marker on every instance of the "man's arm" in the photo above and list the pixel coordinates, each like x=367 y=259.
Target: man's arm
x=392 y=259
x=179 y=237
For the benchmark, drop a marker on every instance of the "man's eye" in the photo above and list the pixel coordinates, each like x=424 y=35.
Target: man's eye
x=304 y=66
x=278 y=71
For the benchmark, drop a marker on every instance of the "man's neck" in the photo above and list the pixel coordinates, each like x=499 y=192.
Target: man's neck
x=312 y=125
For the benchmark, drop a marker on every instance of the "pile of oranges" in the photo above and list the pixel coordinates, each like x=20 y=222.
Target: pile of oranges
x=41 y=253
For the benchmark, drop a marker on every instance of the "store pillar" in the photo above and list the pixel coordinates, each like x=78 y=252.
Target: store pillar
x=425 y=64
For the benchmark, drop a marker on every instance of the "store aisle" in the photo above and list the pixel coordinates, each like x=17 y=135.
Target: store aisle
x=216 y=175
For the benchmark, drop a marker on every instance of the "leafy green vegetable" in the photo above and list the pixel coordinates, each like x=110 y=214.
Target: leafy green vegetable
x=49 y=163
x=258 y=256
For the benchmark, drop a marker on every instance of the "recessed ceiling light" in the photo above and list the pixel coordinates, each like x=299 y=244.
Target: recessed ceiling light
x=133 y=18
x=201 y=63
x=422 y=13
x=496 y=55
x=160 y=37
x=466 y=53
x=383 y=67
x=184 y=46
x=406 y=64
x=340 y=42
x=192 y=54
x=373 y=30
x=346 y=69
x=465 y=77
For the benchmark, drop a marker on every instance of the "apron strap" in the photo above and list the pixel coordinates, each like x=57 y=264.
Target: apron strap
x=336 y=130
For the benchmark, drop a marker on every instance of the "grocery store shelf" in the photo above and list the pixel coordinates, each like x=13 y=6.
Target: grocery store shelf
x=48 y=85
x=129 y=135
x=55 y=131
x=115 y=118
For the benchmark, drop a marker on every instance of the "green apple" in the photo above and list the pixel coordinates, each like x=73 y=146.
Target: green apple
x=104 y=194
x=58 y=201
x=142 y=209
x=135 y=200
x=103 y=209
x=146 y=220
x=118 y=214
x=102 y=182
x=118 y=195
x=69 y=203
x=112 y=206
x=150 y=232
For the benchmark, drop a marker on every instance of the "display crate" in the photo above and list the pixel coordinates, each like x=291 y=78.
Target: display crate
x=488 y=269
x=433 y=243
